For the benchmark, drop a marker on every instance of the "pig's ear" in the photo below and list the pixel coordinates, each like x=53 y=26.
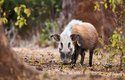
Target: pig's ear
x=76 y=38
x=55 y=37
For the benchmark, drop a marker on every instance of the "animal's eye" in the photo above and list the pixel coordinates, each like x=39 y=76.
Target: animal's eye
x=69 y=45
x=60 y=49
x=61 y=45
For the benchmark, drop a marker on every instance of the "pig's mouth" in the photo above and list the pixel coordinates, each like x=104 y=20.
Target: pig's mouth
x=65 y=63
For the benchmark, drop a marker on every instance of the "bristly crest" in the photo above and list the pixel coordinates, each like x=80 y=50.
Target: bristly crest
x=71 y=24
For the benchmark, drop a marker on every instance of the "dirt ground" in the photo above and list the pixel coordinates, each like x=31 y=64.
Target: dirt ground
x=47 y=61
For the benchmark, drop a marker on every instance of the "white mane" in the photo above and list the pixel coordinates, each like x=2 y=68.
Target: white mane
x=65 y=38
x=68 y=28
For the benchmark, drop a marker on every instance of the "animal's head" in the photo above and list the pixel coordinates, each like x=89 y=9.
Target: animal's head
x=66 y=45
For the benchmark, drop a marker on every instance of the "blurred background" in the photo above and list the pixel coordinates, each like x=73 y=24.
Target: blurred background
x=28 y=25
x=31 y=22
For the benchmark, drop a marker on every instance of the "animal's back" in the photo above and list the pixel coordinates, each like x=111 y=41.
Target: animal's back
x=68 y=28
x=88 y=34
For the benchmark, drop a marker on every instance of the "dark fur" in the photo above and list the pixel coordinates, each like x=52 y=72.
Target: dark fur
x=87 y=40
x=80 y=50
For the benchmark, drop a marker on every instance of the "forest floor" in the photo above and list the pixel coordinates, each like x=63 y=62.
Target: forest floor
x=47 y=61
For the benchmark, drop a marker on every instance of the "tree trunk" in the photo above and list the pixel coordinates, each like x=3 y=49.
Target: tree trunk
x=67 y=12
x=104 y=20
x=12 y=68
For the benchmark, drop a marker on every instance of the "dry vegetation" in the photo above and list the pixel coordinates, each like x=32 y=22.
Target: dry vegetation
x=47 y=61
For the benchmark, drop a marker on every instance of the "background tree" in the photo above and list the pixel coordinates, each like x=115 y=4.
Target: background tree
x=104 y=19
x=27 y=17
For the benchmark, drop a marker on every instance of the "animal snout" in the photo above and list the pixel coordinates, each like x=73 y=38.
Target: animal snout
x=65 y=62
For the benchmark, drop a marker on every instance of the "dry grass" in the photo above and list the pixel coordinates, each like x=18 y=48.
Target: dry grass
x=47 y=61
